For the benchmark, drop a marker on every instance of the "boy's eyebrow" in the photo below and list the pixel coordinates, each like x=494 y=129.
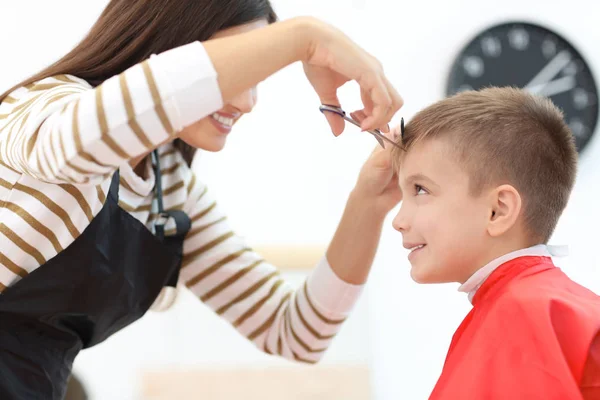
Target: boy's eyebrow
x=419 y=177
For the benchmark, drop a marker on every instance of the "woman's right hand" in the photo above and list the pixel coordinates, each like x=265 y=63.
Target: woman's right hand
x=331 y=60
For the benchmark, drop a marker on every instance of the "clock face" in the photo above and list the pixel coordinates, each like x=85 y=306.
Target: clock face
x=537 y=59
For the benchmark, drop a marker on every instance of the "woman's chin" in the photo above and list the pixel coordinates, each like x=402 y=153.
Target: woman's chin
x=215 y=144
x=204 y=136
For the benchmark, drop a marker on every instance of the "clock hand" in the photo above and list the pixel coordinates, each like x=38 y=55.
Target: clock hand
x=553 y=87
x=551 y=69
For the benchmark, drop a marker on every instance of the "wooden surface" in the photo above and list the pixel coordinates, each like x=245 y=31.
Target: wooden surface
x=289 y=383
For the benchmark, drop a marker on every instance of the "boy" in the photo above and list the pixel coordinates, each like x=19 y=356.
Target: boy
x=485 y=176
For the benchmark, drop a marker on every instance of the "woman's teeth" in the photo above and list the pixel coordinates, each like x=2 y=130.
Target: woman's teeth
x=222 y=120
x=416 y=247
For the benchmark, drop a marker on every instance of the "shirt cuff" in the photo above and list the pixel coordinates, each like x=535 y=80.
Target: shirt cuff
x=333 y=297
x=191 y=82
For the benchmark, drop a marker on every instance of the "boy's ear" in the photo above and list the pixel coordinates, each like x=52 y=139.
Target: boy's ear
x=504 y=211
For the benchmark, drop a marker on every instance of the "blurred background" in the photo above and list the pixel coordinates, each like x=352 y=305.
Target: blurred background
x=393 y=346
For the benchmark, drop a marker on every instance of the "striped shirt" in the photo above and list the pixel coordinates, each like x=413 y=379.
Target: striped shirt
x=60 y=143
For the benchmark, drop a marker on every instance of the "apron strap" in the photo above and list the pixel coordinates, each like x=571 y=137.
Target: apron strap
x=181 y=219
x=163 y=217
x=113 y=192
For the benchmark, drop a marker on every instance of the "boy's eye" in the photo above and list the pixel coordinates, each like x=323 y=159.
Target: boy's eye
x=420 y=190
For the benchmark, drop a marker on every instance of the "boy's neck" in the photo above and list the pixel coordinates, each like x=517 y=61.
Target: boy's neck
x=497 y=249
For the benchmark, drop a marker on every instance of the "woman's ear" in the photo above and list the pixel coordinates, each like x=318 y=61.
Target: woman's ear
x=504 y=211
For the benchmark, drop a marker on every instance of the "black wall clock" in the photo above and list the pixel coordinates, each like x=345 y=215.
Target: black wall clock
x=535 y=58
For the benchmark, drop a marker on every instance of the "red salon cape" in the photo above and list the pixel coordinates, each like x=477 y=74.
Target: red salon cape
x=532 y=334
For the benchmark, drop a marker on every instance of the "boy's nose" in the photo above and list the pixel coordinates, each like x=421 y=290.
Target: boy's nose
x=400 y=222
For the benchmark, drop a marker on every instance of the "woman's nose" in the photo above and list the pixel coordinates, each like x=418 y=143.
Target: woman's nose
x=245 y=101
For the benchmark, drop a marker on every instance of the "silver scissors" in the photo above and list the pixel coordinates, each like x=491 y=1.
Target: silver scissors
x=380 y=137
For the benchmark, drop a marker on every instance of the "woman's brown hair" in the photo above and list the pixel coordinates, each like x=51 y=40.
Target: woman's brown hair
x=129 y=31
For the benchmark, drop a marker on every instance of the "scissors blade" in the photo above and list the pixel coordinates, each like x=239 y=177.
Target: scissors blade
x=380 y=137
x=377 y=133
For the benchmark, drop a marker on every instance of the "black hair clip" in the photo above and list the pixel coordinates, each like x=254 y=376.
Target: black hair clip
x=402 y=128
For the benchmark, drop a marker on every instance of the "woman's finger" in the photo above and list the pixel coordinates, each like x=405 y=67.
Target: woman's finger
x=358 y=115
x=336 y=122
x=396 y=103
x=381 y=101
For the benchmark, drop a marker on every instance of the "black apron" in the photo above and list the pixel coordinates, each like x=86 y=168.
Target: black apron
x=105 y=280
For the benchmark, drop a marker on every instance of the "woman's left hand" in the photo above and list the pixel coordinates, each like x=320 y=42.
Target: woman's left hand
x=377 y=183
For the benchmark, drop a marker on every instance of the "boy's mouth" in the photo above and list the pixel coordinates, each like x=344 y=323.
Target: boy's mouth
x=413 y=248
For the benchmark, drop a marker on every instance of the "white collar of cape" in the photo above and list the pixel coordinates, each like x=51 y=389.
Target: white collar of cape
x=476 y=280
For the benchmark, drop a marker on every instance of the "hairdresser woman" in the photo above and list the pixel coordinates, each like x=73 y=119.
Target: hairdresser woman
x=101 y=216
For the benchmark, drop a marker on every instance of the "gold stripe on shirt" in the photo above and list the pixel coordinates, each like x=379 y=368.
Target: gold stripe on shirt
x=15 y=114
x=195 y=231
x=213 y=268
x=58 y=97
x=256 y=306
x=104 y=126
x=63 y=155
x=271 y=318
x=317 y=313
x=190 y=186
x=22 y=244
x=133 y=124
x=190 y=256
x=308 y=327
x=34 y=137
x=204 y=212
x=169 y=170
x=44 y=86
x=65 y=78
x=230 y=281
x=35 y=224
x=5 y=184
x=131 y=209
x=12 y=267
x=297 y=338
x=288 y=331
x=77 y=138
x=52 y=206
x=173 y=188
x=247 y=293
x=101 y=195
x=127 y=186
x=158 y=107
x=73 y=191
x=167 y=153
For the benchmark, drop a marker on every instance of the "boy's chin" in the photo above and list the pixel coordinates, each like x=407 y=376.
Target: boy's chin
x=424 y=275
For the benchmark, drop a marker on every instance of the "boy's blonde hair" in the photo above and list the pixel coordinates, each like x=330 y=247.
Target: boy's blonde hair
x=505 y=135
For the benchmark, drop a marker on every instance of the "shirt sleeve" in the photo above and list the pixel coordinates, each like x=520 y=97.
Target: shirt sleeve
x=250 y=293
x=61 y=130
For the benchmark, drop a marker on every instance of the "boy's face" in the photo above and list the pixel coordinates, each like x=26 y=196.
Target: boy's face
x=439 y=214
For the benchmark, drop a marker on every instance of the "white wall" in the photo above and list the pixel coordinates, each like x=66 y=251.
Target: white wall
x=301 y=179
